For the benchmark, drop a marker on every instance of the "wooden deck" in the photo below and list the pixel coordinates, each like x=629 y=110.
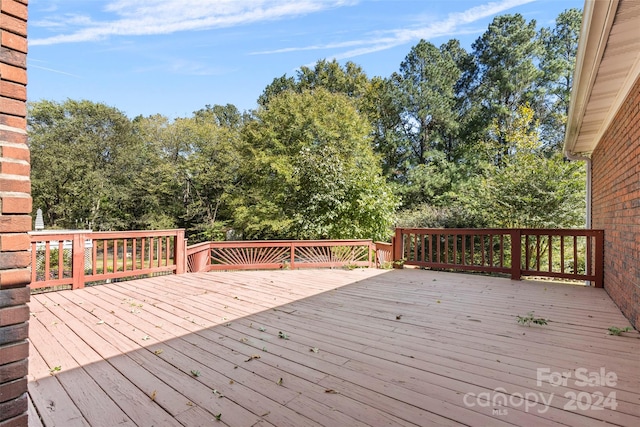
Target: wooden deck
x=330 y=348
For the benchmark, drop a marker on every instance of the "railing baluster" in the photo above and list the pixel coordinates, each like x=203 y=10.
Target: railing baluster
x=550 y=246
x=105 y=250
x=491 y=250
x=124 y=254
x=134 y=254
x=538 y=252
x=588 y=256
x=575 y=254
x=561 y=254
x=526 y=252
x=47 y=261
x=114 y=261
x=60 y=259
x=94 y=258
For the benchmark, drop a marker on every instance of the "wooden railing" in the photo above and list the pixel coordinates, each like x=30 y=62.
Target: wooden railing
x=75 y=258
x=557 y=253
x=275 y=254
x=72 y=259
x=384 y=254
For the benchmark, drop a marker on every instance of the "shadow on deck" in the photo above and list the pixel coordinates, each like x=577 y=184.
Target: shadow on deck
x=331 y=348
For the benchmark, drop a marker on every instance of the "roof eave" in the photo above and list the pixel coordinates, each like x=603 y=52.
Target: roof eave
x=597 y=20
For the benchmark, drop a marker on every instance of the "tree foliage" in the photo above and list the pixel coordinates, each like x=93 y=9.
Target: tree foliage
x=454 y=138
x=82 y=157
x=313 y=172
x=529 y=190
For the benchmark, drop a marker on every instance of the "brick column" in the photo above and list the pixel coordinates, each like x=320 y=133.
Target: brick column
x=15 y=210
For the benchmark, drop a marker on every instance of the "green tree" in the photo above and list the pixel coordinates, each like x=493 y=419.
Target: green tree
x=425 y=93
x=349 y=80
x=506 y=55
x=211 y=172
x=311 y=173
x=156 y=191
x=83 y=158
x=557 y=64
x=529 y=189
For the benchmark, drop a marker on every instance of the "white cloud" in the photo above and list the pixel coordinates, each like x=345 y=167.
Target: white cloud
x=451 y=25
x=151 y=17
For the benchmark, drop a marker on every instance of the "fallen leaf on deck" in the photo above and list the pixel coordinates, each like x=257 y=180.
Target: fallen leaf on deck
x=153 y=395
x=100 y=322
x=279 y=382
x=399 y=316
x=331 y=391
x=283 y=335
x=218 y=416
x=146 y=337
x=314 y=349
x=158 y=351
x=253 y=356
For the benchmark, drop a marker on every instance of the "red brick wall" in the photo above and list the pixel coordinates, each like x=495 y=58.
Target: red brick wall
x=15 y=207
x=616 y=205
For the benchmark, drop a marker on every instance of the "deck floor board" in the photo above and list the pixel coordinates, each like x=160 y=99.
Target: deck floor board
x=329 y=348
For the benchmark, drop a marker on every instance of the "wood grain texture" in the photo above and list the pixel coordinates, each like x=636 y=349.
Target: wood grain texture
x=326 y=348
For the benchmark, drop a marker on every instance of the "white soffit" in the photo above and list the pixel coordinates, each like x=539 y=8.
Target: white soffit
x=607 y=66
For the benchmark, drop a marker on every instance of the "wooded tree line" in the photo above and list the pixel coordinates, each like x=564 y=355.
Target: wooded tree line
x=452 y=139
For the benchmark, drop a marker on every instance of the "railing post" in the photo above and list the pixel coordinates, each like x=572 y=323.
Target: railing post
x=516 y=254
x=77 y=261
x=599 y=259
x=180 y=251
x=293 y=255
x=397 y=249
x=372 y=254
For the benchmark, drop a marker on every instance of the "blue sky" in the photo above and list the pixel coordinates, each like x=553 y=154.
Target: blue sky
x=174 y=57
